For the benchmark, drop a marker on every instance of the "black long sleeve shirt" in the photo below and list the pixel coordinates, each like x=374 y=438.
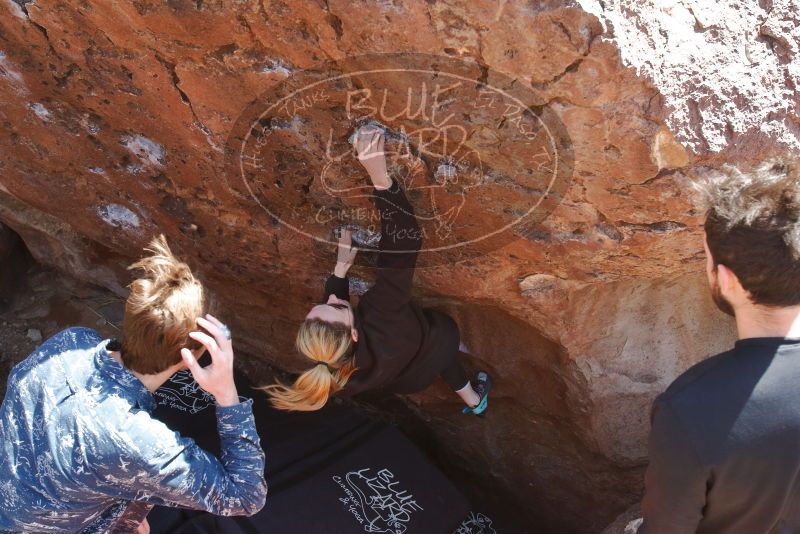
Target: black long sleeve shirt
x=725 y=445
x=398 y=343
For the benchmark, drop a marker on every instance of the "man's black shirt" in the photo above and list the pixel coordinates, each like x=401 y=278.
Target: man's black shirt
x=725 y=445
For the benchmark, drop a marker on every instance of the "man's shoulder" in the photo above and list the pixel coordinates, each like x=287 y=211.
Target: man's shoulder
x=75 y=337
x=69 y=340
x=689 y=410
x=700 y=379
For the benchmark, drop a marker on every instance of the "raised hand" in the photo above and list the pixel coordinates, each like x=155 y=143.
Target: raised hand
x=346 y=253
x=217 y=378
x=369 y=144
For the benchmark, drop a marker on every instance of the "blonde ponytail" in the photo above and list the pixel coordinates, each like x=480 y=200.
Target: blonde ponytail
x=328 y=346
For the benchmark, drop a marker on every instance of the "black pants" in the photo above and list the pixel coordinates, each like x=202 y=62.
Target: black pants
x=455 y=375
x=439 y=356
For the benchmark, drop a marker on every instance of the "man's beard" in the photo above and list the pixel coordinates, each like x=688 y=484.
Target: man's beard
x=721 y=302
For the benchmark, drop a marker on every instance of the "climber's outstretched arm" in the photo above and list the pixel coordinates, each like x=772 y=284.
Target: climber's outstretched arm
x=401 y=238
x=338 y=284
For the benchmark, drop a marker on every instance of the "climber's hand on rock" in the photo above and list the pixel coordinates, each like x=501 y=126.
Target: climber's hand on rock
x=346 y=253
x=369 y=146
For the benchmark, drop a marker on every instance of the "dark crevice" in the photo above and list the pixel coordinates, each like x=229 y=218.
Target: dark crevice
x=610 y=231
x=696 y=118
x=61 y=81
x=334 y=21
x=44 y=33
x=654 y=102
x=16 y=260
x=170 y=67
x=564 y=30
x=663 y=173
x=337 y=25
x=225 y=50
x=777 y=44
x=483 y=79
x=253 y=35
x=572 y=67
x=659 y=227
x=729 y=133
x=176 y=80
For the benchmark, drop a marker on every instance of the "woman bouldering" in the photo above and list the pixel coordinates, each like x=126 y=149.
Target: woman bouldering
x=387 y=341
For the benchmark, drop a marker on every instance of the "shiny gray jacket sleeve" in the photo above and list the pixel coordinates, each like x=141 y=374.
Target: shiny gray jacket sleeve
x=158 y=466
x=676 y=479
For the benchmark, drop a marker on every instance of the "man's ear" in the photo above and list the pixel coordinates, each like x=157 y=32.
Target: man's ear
x=354 y=335
x=727 y=280
x=709 y=257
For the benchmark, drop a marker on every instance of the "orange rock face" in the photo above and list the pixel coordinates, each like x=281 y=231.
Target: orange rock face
x=200 y=119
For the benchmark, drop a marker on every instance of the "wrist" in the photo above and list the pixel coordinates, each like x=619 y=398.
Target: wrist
x=228 y=397
x=381 y=181
x=341 y=270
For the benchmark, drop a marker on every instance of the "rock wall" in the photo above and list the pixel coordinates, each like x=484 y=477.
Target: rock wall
x=116 y=124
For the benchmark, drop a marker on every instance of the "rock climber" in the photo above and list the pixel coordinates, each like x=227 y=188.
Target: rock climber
x=387 y=342
x=79 y=451
x=725 y=439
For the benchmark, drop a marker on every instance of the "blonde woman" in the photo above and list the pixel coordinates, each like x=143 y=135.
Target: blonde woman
x=387 y=342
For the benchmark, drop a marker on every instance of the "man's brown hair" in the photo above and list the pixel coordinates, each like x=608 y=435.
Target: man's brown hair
x=162 y=308
x=753 y=228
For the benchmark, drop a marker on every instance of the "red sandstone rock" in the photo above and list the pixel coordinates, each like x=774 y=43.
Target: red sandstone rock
x=116 y=121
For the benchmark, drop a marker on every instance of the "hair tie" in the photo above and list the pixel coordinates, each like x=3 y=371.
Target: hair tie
x=330 y=369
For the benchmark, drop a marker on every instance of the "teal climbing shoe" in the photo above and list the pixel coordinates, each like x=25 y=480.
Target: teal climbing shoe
x=482 y=386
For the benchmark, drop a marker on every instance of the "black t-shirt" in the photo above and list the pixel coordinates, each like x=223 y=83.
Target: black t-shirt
x=725 y=445
x=333 y=470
